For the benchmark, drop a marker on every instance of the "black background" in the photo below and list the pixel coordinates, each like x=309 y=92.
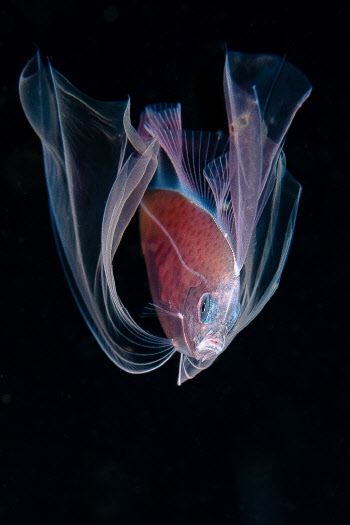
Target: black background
x=262 y=437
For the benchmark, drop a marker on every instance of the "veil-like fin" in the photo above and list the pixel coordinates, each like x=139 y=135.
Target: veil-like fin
x=189 y=367
x=269 y=248
x=94 y=190
x=189 y=151
x=262 y=94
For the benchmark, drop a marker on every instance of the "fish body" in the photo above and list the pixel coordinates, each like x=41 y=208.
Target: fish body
x=188 y=257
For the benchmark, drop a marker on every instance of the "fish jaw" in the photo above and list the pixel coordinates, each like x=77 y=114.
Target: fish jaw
x=211 y=346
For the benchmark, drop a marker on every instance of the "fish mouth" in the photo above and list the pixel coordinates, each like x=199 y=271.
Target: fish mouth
x=209 y=348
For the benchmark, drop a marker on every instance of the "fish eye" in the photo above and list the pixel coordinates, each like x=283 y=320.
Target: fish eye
x=204 y=306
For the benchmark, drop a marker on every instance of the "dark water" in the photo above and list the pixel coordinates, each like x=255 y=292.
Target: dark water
x=262 y=437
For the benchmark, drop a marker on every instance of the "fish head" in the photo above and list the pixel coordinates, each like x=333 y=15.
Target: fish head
x=210 y=313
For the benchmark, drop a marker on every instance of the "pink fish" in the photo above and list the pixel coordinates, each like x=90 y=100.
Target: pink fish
x=217 y=212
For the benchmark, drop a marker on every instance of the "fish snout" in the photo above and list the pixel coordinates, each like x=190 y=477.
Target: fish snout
x=211 y=346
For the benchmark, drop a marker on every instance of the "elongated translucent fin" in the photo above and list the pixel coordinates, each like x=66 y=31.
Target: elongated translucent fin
x=269 y=248
x=190 y=367
x=217 y=174
x=163 y=121
x=262 y=94
x=190 y=152
x=93 y=193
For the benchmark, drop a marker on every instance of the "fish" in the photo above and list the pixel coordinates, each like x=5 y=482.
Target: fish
x=217 y=210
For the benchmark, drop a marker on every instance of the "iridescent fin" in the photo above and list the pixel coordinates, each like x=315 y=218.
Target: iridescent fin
x=217 y=175
x=189 y=151
x=94 y=189
x=149 y=310
x=163 y=121
x=269 y=248
x=262 y=95
x=189 y=367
